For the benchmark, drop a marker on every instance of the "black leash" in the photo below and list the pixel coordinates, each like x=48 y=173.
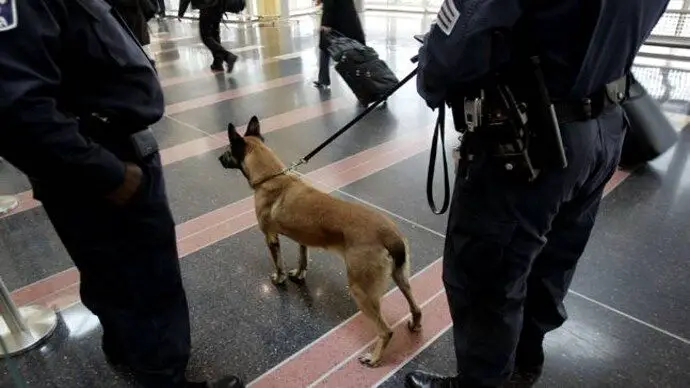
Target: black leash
x=359 y=117
x=439 y=132
x=369 y=109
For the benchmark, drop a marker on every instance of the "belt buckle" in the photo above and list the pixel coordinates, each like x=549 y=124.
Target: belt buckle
x=473 y=113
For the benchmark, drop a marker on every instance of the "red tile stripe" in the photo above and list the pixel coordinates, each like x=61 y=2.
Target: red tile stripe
x=401 y=349
x=60 y=290
x=207 y=73
x=347 y=339
x=231 y=94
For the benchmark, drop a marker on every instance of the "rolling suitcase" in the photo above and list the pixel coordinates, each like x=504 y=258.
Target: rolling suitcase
x=365 y=73
x=369 y=81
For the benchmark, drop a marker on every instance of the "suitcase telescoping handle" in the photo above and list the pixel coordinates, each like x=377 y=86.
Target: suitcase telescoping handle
x=360 y=116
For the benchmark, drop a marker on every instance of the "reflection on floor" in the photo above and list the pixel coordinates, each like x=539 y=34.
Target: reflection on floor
x=628 y=306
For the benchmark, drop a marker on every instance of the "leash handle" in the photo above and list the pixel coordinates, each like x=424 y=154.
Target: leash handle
x=439 y=131
x=359 y=116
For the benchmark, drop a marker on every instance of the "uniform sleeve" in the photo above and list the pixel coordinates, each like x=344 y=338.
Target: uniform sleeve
x=36 y=136
x=457 y=48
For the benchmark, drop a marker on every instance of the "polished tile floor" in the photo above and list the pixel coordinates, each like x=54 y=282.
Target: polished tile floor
x=629 y=304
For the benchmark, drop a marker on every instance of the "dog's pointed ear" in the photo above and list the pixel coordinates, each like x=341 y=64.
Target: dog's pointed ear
x=254 y=128
x=233 y=136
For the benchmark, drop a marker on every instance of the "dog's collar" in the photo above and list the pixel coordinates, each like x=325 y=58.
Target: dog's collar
x=261 y=181
x=284 y=171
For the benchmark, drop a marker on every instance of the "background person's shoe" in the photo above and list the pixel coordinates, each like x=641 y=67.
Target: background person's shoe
x=230 y=60
x=320 y=85
x=217 y=65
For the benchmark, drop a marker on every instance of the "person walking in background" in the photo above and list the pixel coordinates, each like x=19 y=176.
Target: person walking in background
x=161 y=8
x=340 y=16
x=210 y=16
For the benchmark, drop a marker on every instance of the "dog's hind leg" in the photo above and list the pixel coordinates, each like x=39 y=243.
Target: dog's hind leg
x=367 y=284
x=401 y=279
x=298 y=274
x=278 y=277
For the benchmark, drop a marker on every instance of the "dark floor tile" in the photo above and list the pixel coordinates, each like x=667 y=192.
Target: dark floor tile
x=70 y=358
x=402 y=188
x=30 y=249
x=170 y=133
x=595 y=348
x=223 y=81
x=215 y=117
x=637 y=259
x=241 y=322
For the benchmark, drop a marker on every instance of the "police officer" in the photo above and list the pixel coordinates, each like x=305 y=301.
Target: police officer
x=512 y=244
x=78 y=95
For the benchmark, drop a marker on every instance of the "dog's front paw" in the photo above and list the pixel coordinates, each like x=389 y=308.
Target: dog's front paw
x=278 y=278
x=368 y=360
x=297 y=275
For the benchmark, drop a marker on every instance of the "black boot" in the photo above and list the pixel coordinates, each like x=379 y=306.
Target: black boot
x=225 y=382
x=523 y=378
x=230 y=59
x=321 y=85
x=217 y=64
x=529 y=362
x=418 y=379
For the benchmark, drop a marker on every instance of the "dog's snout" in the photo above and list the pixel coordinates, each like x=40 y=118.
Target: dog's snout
x=225 y=160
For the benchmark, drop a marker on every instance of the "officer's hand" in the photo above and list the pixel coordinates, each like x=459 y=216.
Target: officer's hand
x=129 y=186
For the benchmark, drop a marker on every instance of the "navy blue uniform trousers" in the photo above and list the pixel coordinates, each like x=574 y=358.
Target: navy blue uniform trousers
x=130 y=275
x=512 y=248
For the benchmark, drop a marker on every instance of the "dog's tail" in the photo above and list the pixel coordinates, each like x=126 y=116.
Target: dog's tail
x=397 y=248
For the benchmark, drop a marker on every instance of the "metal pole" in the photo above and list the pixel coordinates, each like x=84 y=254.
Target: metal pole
x=10 y=313
x=23 y=328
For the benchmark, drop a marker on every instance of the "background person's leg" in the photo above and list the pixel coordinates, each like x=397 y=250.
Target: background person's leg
x=324 y=78
x=209 y=29
x=224 y=54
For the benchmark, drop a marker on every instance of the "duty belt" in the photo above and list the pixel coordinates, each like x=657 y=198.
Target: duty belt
x=591 y=107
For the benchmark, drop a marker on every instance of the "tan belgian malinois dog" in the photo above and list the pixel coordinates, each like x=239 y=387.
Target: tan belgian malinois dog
x=371 y=245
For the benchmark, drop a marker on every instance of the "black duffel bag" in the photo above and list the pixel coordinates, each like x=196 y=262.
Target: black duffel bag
x=650 y=133
x=340 y=47
x=369 y=81
x=234 y=6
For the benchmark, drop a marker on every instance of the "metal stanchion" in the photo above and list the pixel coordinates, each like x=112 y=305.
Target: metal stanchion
x=25 y=327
